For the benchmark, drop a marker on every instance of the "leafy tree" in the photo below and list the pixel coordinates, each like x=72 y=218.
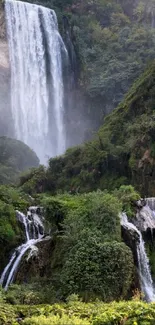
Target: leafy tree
x=93 y=269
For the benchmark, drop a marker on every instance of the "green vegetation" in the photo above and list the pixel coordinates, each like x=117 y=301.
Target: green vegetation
x=114 y=41
x=15 y=157
x=86 y=255
x=121 y=153
x=89 y=257
x=11 y=234
x=78 y=313
x=86 y=264
x=93 y=269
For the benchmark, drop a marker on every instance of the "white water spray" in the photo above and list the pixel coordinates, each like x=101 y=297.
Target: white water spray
x=34 y=233
x=37 y=92
x=143 y=262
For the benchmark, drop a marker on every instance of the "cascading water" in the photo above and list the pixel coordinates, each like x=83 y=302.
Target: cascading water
x=34 y=233
x=37 y=92
x=143 y=262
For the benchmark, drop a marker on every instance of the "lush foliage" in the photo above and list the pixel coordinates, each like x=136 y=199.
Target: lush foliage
x=89 y=258
x=122 y=151
x=96 y=210
x=128 y=196
x=113 y=41
x=77 y=313
x=34 y=180
x=10 y=232
x=98 y=269
x=85 y=256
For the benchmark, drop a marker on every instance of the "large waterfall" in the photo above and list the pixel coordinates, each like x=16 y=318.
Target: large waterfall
x=37 y=94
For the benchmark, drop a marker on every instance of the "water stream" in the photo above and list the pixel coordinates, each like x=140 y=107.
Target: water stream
x=34 y=233
x=143 y=261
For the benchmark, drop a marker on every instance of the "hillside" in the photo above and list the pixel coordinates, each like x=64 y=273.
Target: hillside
x=122 y=152
x=110 y=44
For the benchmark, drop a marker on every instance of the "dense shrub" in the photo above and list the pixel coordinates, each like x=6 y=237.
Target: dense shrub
x=89 y=239
x=93 y=269
x=128 y=197
x=77 y=313
x=96 y=210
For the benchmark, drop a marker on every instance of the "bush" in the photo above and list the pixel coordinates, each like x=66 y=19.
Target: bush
x=35 y=293
x=93 y=269
x=56 y=320
x=78 y=313
x=128 y=196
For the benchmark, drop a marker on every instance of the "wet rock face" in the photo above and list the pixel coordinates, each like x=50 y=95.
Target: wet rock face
x=145 y=217
x=131 y=238
x=38 y=266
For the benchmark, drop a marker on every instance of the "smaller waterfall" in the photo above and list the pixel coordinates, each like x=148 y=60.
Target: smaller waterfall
x=143 y=262
x=34 y=233
x=24 y=221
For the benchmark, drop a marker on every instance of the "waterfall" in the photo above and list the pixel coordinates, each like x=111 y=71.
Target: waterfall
x=34 y=233
x=143 y=262
x=151 y=203
x=37 y=92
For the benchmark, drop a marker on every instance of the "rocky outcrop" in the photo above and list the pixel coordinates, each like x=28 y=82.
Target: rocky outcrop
x=38 y=265
x=144 y=219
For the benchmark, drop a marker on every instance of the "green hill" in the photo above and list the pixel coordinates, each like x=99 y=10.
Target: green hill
x=122 y=152
x=15 y=157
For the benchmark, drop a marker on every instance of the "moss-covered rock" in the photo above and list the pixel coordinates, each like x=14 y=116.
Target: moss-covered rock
x=37 y=267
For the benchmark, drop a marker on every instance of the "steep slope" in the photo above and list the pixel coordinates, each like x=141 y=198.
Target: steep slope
x=109 y=44
x=122 y=152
